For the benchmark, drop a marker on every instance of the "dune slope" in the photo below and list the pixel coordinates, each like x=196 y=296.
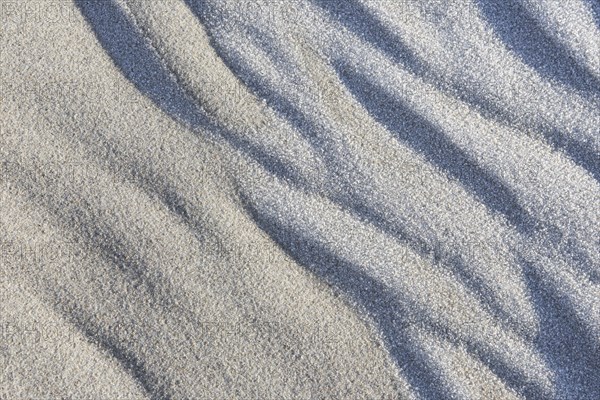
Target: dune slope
x=206 y=199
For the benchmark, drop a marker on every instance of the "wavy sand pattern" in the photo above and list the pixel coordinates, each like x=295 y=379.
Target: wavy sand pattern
x=337 y=199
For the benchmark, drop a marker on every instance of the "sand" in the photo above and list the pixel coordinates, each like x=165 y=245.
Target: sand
x=304 y=199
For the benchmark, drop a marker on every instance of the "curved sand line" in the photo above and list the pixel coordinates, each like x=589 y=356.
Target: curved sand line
x=304 y=199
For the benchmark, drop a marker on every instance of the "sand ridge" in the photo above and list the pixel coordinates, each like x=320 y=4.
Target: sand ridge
x=301 y=199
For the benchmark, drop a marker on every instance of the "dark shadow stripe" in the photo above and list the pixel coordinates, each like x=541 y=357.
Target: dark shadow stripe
x=315 y=135
x=414 y=130
x=369 y=294
x=392 y=315
x=565 y=343
x=73 y=214
x=515 y=26
x=533 y=46
x=140 y=64
x=358 y=19
x=136 y=368
x=595 y=8
x=579 y=153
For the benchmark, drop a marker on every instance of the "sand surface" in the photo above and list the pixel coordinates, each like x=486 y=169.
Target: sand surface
x=300 y=199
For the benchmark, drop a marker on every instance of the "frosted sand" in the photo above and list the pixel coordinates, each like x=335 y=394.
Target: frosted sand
x=359 y=199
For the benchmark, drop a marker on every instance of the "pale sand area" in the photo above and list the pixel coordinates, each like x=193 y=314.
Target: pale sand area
x=308 y=199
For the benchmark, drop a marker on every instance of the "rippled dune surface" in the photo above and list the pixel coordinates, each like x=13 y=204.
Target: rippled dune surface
x=300 y=199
